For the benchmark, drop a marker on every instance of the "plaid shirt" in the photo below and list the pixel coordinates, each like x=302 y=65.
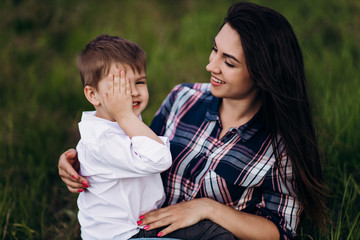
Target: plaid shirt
x=238 y=170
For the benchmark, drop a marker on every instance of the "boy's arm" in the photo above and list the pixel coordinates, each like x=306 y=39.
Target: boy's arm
x=118 y=102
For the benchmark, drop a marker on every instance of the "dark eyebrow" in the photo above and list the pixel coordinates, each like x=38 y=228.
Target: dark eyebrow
x=141 y=78
x=226 y=54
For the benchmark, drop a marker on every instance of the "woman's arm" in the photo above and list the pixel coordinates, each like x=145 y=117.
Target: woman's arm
x=242 y=225
x=68 y=166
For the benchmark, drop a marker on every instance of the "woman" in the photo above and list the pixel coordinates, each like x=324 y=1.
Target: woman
x=244 y=148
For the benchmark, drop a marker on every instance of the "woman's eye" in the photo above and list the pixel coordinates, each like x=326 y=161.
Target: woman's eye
x=229 y=64
x=214 y=49
x=141 y=83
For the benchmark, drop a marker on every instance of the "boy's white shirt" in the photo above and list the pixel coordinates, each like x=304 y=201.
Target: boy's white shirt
x=124 y=176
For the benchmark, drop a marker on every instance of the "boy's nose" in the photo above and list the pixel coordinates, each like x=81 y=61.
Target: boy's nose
x=134 y=91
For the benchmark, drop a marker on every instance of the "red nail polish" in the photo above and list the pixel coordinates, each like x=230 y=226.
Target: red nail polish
x=74 y=177
x=139 y=222
x=80 y=190
x=159 y=234
x=146 y=227
x=142 y=217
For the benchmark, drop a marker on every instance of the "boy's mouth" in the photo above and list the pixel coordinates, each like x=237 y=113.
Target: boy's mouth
x=136 y=104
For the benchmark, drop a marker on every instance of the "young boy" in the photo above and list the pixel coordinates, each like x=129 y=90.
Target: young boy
x=119 y=155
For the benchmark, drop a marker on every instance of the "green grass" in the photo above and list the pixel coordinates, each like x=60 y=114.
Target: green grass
x=41 y=95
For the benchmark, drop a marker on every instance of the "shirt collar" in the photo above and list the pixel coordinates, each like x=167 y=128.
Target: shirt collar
x=246 y=131
x=212 y=112
x=91 y=116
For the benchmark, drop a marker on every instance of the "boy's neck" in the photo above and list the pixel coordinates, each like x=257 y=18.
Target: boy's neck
x=101 y=113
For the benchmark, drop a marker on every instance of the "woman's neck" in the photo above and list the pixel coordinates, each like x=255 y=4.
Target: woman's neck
x=235 y=112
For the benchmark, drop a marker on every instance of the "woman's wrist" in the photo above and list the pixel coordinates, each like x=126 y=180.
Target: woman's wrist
x=231 y=219
x=211 y=208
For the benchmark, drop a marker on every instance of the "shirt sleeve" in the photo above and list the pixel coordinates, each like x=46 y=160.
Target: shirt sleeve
x=139 y=156
x=115 y=156
x=280 y=204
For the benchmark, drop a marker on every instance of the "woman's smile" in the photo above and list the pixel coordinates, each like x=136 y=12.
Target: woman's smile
x=216 y=82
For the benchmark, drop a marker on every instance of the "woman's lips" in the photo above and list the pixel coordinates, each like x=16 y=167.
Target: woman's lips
x=216 y=82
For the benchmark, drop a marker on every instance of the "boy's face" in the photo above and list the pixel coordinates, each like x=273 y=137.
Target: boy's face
x=139 y=91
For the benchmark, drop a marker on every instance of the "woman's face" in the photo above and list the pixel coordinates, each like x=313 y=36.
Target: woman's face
x=229 y=74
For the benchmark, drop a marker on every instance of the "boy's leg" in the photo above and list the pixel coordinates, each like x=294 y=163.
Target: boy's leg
x=203 y=230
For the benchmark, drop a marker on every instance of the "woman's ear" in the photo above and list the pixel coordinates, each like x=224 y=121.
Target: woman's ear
x=91 y=96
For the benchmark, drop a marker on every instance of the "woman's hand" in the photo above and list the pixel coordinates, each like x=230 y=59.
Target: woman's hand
x=68 y=167
x=177 y=216
x=242 y=225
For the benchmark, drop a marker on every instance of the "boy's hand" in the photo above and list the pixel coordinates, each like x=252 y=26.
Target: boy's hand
x=118 y=100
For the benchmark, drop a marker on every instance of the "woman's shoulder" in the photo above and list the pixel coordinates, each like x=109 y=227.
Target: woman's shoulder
x=187 y=90
x=198 y=87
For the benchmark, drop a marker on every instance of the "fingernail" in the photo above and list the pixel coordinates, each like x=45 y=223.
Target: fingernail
x=74 y=177
x=139 y=222
x=80 y=190
x=146 y=227
x=84 y=184
x=142 y=217
x=159 y=234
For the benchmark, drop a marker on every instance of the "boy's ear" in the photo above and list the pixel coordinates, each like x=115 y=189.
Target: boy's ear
x=91 y=96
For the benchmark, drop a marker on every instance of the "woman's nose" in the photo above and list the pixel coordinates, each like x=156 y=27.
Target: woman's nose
x=213 y=65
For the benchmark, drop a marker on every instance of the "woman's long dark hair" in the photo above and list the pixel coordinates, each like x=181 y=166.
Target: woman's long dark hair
x=275 y=62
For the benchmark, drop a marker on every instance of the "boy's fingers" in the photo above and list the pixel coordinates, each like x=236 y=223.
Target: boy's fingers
x=122 y=84
x=127 y=87
x=116 y=84
x=109 y=80
x=112 y=85
x=122 y=74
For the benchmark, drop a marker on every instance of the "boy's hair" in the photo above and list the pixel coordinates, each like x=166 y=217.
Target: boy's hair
x=95 y=60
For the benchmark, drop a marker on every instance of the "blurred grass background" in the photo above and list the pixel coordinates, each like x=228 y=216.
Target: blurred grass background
x=41 y=95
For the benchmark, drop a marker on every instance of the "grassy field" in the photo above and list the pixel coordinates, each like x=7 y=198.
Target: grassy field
x=41 y=95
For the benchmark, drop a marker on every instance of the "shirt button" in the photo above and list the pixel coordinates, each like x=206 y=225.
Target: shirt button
x=234 y=130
